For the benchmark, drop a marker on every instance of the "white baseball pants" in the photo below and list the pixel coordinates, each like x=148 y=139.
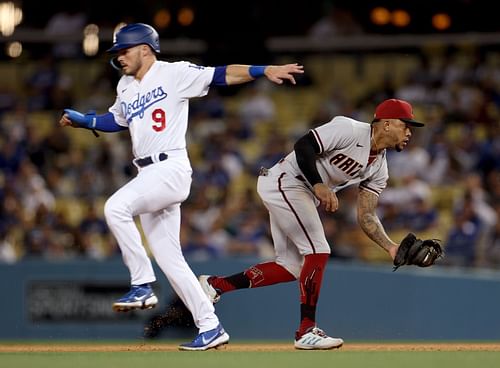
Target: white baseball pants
x=156 y=194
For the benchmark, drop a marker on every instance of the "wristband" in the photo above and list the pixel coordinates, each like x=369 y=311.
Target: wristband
x=256 y=71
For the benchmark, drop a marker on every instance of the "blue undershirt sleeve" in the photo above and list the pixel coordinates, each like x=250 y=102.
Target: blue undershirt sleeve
x=107 y=123
x=219 y=78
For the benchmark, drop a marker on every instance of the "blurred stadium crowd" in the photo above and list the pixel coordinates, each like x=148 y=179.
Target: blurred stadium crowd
x=445 y=185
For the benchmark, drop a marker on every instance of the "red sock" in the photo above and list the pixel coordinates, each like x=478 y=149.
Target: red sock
x=310 y=280
x=256 y=276
x=270 y=273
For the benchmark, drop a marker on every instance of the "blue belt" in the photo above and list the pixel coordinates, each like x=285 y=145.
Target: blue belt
x=146 y=161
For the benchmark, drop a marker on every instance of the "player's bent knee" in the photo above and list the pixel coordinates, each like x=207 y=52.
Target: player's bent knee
x=294 y=269
x=115 y=210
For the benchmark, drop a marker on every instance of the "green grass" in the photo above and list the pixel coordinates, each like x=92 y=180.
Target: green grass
x=221 y=359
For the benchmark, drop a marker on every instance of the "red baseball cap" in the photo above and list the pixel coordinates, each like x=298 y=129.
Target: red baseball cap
x=396 y=109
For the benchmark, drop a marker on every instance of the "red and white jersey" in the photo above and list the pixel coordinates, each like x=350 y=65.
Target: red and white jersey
x=155 y=109
x=344 y=156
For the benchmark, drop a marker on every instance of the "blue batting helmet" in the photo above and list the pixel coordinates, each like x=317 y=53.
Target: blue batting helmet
x=136 y=34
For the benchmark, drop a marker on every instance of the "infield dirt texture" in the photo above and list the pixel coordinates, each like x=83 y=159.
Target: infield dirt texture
x=240 y=347
x=248 y=355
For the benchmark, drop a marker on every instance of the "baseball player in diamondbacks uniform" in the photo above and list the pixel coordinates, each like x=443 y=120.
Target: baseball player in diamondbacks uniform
x=328 y=158
x=152 y=103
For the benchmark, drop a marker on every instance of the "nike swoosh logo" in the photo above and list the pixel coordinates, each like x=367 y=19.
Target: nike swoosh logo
x=358 y=145
x=204 y=341
x=123 y=90
x=138 y=297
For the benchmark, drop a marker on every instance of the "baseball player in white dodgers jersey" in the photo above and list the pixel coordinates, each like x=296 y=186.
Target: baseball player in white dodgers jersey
x=152 y=103
x=328 y=158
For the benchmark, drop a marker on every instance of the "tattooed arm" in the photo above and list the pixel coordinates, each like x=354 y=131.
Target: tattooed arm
x=370 y=223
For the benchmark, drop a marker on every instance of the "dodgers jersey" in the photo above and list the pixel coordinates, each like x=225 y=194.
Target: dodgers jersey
x=155 y=109
x=343 y=158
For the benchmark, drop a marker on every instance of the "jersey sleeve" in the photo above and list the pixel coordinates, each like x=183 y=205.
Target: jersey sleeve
x=338 y=133
x=192 y=80
x=377 y=182
x=116 y=108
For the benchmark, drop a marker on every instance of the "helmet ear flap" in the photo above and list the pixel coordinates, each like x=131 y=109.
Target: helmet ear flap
x=115 y=63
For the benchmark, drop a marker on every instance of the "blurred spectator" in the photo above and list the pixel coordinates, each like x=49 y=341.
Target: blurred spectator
x=38 y=232
x=64 y=238
x=198 y=246
x=421 y=216
x=336 y=21
x=62 y=94
x=438 y=167
x=493 y=250
x=492 y=185
x=11 y=155
x=249 y=235
x=93 y=235
x=102 y=92
x=41 y=84
x=458 y=93
x=335 y=104
x=11 y=210
x=485 y=213
x=7 y=250
x=273 y=150
x=257 y=105
x=405 y=192
x=211 y=107
x=68 y=22
x=408 y=205
x=335 y=230
x=236 y=128
x=461 y=244
x=33 y=189
x=232 y=160
x=480 y=199
x=489 y=152
x=201 y=220
x=7 y=99
x=413 y=161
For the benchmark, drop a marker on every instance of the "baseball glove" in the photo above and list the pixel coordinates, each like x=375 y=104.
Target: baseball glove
x=414 y=251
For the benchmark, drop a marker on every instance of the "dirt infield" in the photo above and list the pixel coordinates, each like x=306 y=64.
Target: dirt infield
x=267 y=347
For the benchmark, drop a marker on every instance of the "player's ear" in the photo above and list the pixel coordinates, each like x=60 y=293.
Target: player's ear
x=145 y=50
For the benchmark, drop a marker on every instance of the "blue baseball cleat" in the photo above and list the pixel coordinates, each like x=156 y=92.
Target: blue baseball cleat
x=207 y=340
x=139 y=297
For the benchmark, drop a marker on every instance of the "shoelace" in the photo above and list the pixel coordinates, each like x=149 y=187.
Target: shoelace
x=319 y=332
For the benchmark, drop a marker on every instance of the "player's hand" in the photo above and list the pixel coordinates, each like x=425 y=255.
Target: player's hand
x=327 y=197
x=278 y=73
x=64 y=121
x=77 y=119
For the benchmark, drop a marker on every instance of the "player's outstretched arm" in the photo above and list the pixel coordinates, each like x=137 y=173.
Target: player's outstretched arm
x=103 y=123
x=238 y=74
x=370 y=223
